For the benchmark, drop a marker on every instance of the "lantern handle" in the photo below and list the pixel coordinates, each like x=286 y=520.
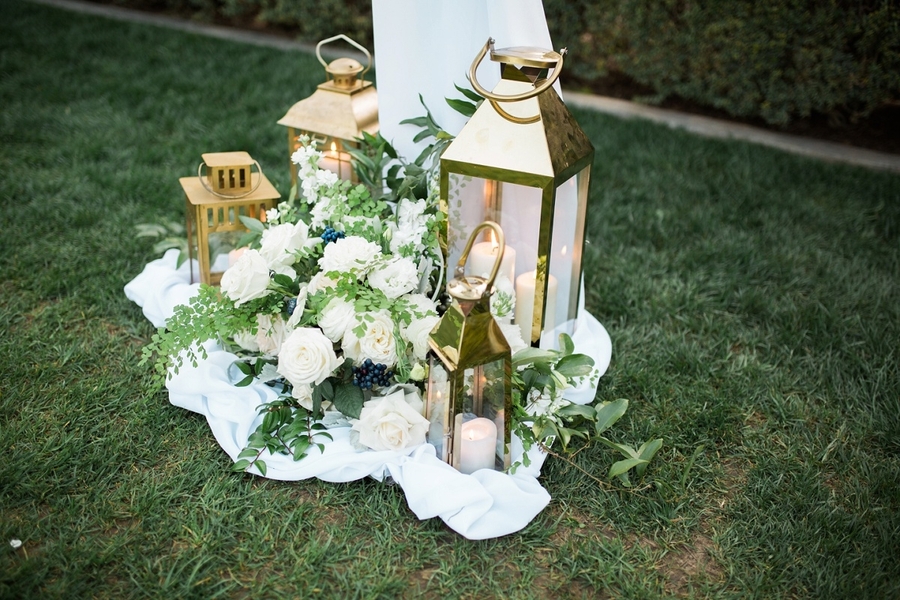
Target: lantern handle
x=227 y=196
x=495 y=99
x=460 y=271
x=341 y=36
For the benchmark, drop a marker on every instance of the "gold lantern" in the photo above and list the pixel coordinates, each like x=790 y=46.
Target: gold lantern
x=215 y=201
x=523 y=162
x=469 y=390
x=339 y=111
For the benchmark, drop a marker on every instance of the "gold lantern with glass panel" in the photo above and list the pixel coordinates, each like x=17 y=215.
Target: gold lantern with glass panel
x=215 y=201
x=469 y=393
x=523 y=162
x=337 y=113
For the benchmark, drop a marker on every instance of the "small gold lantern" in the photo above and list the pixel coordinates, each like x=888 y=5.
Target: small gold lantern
x=469 y=391
x=214 y=203
x=523 y=162
x=339 y=111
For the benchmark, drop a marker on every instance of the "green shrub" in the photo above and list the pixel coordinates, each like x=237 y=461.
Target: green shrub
x=775 y=59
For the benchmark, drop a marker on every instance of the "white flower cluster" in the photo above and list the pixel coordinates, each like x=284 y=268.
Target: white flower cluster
x=408 y=231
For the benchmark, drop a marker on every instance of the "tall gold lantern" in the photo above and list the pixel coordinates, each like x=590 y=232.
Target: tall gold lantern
x=339 y=111
x=523 y=161
x=469 y=393
x=215 y=201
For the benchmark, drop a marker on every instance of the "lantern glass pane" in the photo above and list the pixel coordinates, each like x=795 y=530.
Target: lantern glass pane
x=437 y=408
x=478 y=435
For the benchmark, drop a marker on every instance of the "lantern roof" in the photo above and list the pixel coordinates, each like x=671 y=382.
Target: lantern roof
x=198 y=195
x=552 y=148
x=336 y=112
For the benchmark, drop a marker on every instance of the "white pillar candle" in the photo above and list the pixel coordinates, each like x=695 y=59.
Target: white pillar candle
x=525 y=291
x=478 y=445
x=484 y=255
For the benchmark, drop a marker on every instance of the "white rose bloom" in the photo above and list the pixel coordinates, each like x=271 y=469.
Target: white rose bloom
x=307 y=357
x=417 y=334
x=352 y=253
x=390 y=423
x=247 y=280
x=270 y=333
x=377 y=341
x=513 y=334
x=319 y=282
x=395 y=278
x=247 y=341
x=279 y=243
x=337 y=316
x=422 y=304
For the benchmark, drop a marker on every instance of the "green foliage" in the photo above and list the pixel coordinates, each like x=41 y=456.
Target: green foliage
x=771 y=59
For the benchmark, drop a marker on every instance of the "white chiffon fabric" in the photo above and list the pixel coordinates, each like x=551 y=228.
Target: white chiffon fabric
x=483 y=505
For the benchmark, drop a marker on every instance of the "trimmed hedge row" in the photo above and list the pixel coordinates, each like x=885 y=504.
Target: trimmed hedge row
x=775 y=59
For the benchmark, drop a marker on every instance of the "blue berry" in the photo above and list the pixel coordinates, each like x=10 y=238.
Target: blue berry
x=370 y=374
x=291 y=306
x=331 y=235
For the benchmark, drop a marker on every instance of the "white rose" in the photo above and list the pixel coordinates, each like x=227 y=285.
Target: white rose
x=390 y=423
x=303 y=394
x=395 y=278
x=352 y=253
x=307 y=357
x=513 y=335
x=319 y=282
x=270 y=334
x=337 y=316
x=247 y=341
x=377 y=341
x=247 y=280
x=279 y=243
x=417 y=334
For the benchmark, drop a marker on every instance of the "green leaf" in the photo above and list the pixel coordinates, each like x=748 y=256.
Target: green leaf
x=245 y=381
x=626 y=450
x=348 y=399
x=647 y=451
x=575 y=365
x=252 y=224
x=566 y=345
x=470 y=94
x=261 y=466
x=283 y=280
x=609 y=413
x=690 y=464
x=623 y=466
x=248 y=453
x=461 y=106
x=578 y=410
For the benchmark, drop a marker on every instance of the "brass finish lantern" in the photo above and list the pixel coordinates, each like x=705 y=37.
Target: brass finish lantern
x=469 y=390
x=339 y=111
x=523 y=162
x=215 y=201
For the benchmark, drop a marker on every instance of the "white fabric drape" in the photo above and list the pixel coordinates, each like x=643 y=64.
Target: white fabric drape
x=483 y=505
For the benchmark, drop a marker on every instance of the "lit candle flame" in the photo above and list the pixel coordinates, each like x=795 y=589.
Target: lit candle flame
x=564 y=249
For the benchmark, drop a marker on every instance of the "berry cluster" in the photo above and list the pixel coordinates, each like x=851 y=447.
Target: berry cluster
x=331 y=235
x=290 y=306
x=371 y=374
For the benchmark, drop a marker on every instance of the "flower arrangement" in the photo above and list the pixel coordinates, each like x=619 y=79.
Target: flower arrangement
x=331 y=303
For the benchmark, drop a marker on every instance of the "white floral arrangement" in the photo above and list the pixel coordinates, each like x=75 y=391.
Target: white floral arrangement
x=331 y=303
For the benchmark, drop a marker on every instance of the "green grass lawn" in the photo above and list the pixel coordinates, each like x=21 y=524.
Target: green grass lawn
x=753 y=299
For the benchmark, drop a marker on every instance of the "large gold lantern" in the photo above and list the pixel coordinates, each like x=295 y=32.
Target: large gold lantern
x=469 y=390
x=337 y=113
x=523 y=162
x=215 y=201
